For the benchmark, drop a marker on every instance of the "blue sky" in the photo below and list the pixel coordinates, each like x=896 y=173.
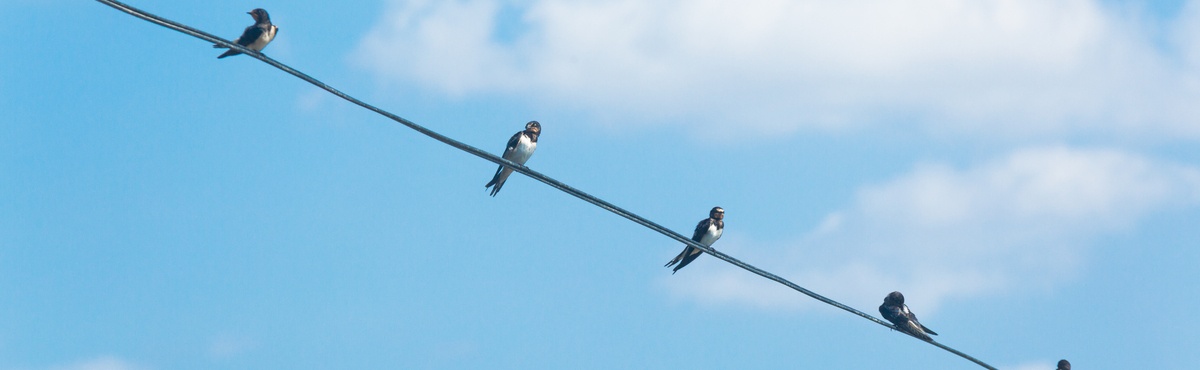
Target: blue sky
x=1026 y=171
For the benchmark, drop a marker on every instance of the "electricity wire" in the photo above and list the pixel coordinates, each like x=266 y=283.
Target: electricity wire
x=516 y=167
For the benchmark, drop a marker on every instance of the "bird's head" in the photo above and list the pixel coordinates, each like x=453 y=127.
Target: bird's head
x=1064 y=365
x=894 y=298
x=717 y=213
x=533 y=127
x=260 y=15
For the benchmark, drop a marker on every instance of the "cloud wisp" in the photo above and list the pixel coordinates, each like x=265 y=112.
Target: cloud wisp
x=984 y=68
x=1024 y=221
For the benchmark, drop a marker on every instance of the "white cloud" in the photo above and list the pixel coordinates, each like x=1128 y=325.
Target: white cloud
x=1021 y=68
x=310 y=100
x=1021 y=222
x=228 y=346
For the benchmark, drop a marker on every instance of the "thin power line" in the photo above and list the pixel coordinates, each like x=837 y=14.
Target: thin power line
x=516 y=167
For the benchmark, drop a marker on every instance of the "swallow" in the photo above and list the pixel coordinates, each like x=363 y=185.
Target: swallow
x=893 y=309
x=520 y=147
x=1064 y=365
x=707 y=232
x=255 y=37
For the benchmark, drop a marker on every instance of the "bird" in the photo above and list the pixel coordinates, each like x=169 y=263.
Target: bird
x=893 y=309
x=1064 y=365
x=255 y=37
x=707 y=232
x=520 y=148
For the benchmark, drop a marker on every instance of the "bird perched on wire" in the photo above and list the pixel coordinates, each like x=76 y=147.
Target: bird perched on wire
x=1064 y=365
x=520 y=147
x=255 y=37
x=893 y=309
x=707 y=232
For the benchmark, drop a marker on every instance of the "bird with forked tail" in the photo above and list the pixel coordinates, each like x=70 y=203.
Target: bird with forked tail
x=707 y=232
x=520 y=147
x=255 y=37
x=893 y=309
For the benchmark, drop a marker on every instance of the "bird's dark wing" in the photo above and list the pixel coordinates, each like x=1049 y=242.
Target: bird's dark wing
x=679 y=257
x=892 y=314
x=913 y=316
x=252 y=33
x=499 y=178
x=690 y=253
x=701 y=229
x=496 y=177
x=512 y=145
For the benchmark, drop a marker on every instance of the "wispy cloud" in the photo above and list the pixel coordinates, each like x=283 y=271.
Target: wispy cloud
x=1018 y=68
x=228 y=346
x=1022 y=221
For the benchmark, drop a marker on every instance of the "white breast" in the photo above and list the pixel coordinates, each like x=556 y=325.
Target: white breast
x=263 y=39
x=712 y=235
x=524 y=150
